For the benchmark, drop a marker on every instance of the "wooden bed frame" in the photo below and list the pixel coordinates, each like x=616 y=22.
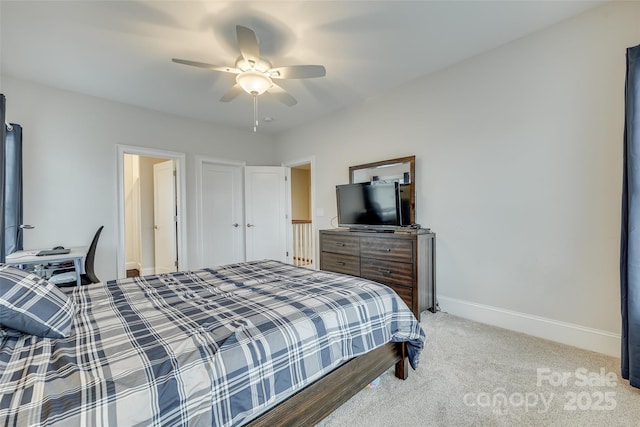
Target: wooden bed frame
x=313 y=403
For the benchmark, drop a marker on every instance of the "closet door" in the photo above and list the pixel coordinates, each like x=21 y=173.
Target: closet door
x=222 y=215
x=266 y=213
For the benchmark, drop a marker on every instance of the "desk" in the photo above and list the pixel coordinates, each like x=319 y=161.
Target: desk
x=29 y=257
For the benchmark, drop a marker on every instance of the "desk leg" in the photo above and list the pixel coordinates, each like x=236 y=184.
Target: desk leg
x=78 y=265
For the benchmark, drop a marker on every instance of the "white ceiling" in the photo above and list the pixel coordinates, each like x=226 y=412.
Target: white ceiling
x=122 y=50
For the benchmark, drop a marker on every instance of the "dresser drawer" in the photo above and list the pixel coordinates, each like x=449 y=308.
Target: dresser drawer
x=343 y=244
x=387 y=272
x=395 y=250
x=346 y=264
x=406 y=294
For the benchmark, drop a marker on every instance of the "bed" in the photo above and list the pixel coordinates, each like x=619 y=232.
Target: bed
x=239 y=344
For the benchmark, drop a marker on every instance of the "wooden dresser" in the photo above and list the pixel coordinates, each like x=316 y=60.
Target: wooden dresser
x=404 y=261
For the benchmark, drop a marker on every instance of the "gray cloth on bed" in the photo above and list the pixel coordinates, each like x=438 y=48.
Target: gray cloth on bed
x=210 y=347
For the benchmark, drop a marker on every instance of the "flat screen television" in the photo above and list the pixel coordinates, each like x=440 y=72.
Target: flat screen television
x=370 y=205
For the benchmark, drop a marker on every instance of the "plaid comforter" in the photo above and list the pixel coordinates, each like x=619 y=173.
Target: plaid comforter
x=209 y=347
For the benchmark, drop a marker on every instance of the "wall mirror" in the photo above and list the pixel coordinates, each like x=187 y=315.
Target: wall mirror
x=401 y=170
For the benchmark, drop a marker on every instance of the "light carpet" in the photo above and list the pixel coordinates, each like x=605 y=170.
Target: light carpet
x=471 y=374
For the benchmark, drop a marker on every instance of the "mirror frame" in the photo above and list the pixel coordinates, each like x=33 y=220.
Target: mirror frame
x=412 y=171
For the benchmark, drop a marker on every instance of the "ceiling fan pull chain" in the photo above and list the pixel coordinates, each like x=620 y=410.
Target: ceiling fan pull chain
x=255 y=112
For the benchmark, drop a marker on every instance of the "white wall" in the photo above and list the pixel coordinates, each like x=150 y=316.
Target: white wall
x=519 y=157
x=70 y=161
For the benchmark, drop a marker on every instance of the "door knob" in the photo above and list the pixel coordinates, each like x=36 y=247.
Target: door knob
x=250 y=225
x=235 y=225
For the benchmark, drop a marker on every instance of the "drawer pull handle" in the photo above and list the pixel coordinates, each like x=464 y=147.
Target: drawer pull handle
x=341 y=263
x=385 y=272
x=340 y=244
x=388 y=249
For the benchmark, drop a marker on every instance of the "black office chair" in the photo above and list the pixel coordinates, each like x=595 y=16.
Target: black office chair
x=89 y=275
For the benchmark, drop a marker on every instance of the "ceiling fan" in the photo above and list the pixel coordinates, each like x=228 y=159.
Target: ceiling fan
x=255 y=75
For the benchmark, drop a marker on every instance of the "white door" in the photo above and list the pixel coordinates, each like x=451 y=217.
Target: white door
x=266 y=213
x=164 y=216
x=222 y=219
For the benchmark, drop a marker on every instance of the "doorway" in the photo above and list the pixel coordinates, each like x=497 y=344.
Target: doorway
x=302 y=208
x=151 y=211
x=301 y=215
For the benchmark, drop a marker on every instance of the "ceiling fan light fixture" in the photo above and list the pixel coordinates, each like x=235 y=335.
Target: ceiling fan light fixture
x=254 y=82
x=254 y=74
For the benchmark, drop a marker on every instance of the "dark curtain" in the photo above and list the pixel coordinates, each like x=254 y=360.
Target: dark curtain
x=10 y=185
x=630 y=235
x=13 y=190
x=3 y=103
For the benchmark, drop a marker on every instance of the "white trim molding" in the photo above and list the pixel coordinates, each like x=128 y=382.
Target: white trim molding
x=566 y=333
x=147 y=271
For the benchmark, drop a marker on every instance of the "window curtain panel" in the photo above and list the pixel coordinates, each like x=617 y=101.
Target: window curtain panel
x=13 y=190
x=3 y=104
x=630 y=234
x=10 y=185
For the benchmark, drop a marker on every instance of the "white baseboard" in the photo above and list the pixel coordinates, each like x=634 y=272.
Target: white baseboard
x=554 y=330
x=147 y=271
x=132 y=265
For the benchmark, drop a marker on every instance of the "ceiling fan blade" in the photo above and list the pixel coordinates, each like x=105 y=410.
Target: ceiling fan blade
x=282 y=95
x=298 y=72
x=248 y=44
x=207 y=66
x=231 y=94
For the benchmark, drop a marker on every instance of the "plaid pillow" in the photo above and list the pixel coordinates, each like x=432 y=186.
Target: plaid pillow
x=30 y=304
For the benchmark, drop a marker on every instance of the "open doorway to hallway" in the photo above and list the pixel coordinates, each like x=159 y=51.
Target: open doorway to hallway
x=301 y=215
x=149 y=215
x=166 y=250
